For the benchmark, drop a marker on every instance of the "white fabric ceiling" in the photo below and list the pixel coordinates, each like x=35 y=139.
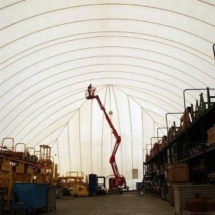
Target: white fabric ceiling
x=140 y=55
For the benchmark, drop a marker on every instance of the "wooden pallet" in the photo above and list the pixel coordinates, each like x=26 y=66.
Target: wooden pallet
x=184 y=192
x=184 y=212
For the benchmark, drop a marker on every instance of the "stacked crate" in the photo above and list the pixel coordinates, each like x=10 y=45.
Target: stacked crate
x=176 y=174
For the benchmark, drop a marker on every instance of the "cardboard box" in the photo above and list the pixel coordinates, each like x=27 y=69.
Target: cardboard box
x=211 y=135
x=178 y=172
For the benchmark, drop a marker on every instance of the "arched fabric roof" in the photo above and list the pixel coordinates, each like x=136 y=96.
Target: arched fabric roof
x=140 y=55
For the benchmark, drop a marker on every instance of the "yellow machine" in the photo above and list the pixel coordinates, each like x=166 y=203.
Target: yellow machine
x=21 y=164
x=80 y=188
x=6 y=181
x=74 y=182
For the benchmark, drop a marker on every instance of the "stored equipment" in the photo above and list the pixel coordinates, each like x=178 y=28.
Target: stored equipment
x=19 y=165
x=74 y=184
x=118 y=182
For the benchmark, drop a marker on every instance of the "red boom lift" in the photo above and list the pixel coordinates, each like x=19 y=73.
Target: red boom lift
x=117 y=183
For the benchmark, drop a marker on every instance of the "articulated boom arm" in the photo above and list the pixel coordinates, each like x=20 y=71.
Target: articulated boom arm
x=118 y=140
x=119 y=180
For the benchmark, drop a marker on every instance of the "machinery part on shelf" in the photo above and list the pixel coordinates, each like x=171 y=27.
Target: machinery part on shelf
x=185 y=120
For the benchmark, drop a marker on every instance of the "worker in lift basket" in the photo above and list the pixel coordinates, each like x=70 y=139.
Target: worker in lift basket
x=91 y=90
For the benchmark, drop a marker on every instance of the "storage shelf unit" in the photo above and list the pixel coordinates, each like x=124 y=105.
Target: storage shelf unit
x=188 y=144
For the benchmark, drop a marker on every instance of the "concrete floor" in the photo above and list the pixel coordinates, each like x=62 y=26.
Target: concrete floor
x=125 y=204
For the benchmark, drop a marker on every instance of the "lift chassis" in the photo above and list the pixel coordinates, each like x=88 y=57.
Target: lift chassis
x=117 y=183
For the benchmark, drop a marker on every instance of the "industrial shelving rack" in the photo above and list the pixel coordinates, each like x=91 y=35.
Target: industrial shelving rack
x=187 y=144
